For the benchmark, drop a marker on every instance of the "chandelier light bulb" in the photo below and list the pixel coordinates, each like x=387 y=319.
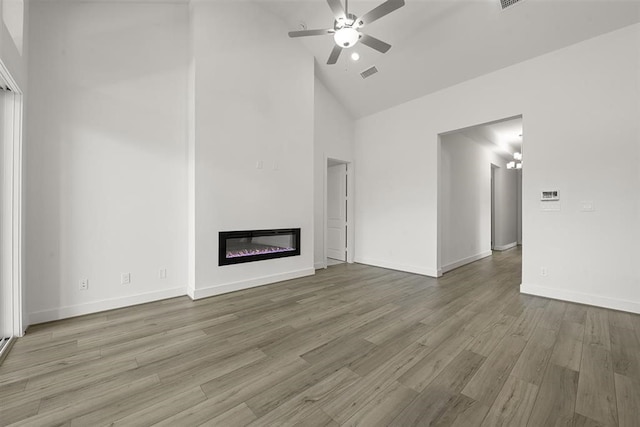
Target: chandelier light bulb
x=346 y=37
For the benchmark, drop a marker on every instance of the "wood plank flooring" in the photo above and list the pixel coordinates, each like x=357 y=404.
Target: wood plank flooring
x=352 y=345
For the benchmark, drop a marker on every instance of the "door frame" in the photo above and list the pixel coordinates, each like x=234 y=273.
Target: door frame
x=493 y=205
x=11 y=223
x=350 y=201
x=439 y=179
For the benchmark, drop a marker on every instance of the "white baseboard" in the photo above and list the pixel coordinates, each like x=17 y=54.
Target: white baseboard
x=465 y=261
x=400 y=267
x=505 y=247
x=581 y=298
x=246 y=284
x=320 y=265
x=191 y=292
x=103 y=305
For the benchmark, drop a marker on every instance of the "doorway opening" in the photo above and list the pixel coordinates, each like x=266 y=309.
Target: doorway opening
x=338 y=235
x=479 y=192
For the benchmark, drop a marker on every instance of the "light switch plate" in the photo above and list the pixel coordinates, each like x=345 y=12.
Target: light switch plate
x=550 y=206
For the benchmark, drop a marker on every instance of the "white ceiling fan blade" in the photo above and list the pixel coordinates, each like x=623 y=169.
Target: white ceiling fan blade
x=378 y=12
x=335 y=53
x=337 y=9
x=304 y=33
x=374 y=43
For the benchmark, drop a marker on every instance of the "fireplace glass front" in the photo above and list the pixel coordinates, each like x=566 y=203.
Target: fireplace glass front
x=255 y=245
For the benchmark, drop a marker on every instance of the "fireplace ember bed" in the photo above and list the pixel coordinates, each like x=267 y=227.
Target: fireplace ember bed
x=236 y=247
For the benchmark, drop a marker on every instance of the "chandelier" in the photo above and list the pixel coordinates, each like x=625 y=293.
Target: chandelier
x=516 y=163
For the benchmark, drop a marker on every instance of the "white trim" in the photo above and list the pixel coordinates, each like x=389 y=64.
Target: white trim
x=7 y=294
x=246 y=284
x=505 y=247
x=325 y=177
x=98 y=306
x=351 y=188
x=581 y=298
x=18 y=325
x=191 y=173
x=320 y=265
x=400 y=267
x=191 y=292
x=350 y=210
x=12 y=205
x=465 y=261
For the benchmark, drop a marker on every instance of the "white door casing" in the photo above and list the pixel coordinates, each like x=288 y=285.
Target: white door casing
x=337 y=211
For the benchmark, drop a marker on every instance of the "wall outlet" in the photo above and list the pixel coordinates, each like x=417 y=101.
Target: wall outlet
x=587 y=206
x=84 y=284
x=162 y=273
x=125 y=278
x=543 y=271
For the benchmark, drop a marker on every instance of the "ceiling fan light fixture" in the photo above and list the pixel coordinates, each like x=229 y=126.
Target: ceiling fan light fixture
x=346 y=25
x=346 y=37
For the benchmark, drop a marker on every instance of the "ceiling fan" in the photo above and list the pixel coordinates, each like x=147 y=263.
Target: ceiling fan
x=346 y=27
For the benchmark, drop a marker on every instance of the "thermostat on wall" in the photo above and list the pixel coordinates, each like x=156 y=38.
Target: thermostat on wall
x=550 y=195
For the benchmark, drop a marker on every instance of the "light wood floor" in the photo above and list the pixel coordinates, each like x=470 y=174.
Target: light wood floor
x=352 y=345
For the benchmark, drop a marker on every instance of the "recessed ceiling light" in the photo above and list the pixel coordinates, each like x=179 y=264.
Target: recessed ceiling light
x=355 y=56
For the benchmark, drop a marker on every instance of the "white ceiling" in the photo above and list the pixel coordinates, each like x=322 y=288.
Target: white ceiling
x=439 y=43
x=503 y=137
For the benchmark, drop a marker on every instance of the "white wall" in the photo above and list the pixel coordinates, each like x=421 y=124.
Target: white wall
x=581 y=106
x=333 y=138
x=505 y=206
x=254 y=95
x=14 y=16
x=106 y=188
x=465 y=211
x=465 y=202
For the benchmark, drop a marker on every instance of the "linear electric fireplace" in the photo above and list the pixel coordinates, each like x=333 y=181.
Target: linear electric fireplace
x=256 y=245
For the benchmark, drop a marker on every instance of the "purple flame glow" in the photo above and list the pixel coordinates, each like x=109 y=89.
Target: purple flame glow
x=256 y=251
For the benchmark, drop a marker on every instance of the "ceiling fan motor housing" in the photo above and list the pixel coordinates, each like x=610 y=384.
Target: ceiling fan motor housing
x=347 y=21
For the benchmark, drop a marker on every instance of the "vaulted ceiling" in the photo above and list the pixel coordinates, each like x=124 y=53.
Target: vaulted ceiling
x=439 y=43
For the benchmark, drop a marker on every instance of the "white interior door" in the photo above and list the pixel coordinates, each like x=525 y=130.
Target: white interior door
x=337 y=212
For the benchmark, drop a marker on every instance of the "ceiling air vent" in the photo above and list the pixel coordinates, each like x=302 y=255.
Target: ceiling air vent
x=507 y=3
x=369 y=72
